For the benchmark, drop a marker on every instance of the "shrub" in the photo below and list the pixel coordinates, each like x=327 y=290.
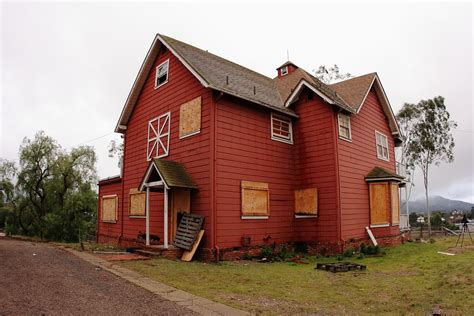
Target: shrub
x=361 y=256
x=349 y=252
x=363 y=248
x=339 y=257
x=301 y=247
x=266 y=252
x=247 y=256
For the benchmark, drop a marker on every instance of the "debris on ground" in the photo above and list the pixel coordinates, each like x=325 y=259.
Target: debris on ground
x=340 y=267
x=446 y=253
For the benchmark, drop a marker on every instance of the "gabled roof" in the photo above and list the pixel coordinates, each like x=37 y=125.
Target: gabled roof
x=381 y=174
x=222 y=75
x=355 y=91
x=172 y=173
x=291 y=85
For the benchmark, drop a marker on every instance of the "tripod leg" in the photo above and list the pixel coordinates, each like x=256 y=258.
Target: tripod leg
x=462 y=239
x=470 y=237
x=459 y=236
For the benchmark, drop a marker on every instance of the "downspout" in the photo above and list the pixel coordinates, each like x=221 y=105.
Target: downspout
x=123 y=185
x=338 y=180
x=213 y=173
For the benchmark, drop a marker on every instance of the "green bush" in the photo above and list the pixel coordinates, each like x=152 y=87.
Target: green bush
x=247 y=256
x=266 y=252
x=339 y=257
x=301 y=247
x=349 y=252
x=361 y=256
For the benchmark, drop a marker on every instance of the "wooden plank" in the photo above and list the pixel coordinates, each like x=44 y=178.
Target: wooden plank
x=395 y=204
x=374 y=241
x=379 y=201
x=187 y=231
x=306 y=201
x=190 y=117
x=255 y=198
x=188 y=255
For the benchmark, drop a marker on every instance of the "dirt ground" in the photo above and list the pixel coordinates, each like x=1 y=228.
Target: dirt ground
x=37 y=279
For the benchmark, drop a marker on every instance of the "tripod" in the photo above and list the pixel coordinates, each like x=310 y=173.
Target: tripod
x=464 y=230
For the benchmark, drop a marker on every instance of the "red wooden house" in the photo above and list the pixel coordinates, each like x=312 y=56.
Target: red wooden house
x=263 y=160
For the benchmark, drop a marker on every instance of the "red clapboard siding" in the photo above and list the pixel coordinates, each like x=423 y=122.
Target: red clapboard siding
x=193 y=151
x=245 y=151
x=356 y=159
x=316 y=166
x=109 y=187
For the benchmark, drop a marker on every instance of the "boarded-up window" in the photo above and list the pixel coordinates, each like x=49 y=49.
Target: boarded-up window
x=255 y=199
x=306 y=202
x=395 y=204
x=136 y=203
x=190 y=118
x=109 y=208
x=379 y=203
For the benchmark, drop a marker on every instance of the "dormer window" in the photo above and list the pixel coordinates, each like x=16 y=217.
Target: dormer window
x=284 y=70
x=161 y=76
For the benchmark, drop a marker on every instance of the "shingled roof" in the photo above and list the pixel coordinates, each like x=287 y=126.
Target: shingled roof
x=172 y=173
x=381 y=174
x=354 y=90
x=223 y=75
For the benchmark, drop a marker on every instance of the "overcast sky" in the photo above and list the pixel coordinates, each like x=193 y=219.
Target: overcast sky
x=67 y=68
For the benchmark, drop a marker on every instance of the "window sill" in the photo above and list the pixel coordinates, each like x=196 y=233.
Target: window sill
x=306 y=216
x=190 y=134
x=346 y=139
x=109 y=222
x=161 y=84
x=137 y=216
x=379 y=225
x=384 y=159
x=254 y=217
x=282 y=140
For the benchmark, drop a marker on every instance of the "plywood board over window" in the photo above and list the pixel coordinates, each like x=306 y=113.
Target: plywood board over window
x=255 y=199
x=379 y=204
x=109 y=208
x=136 y=203
x=306 y=202
x=190 y=118
x=395 y=204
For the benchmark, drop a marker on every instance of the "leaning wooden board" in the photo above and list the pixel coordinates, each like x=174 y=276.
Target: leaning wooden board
x=187 y=231
x=188 y=255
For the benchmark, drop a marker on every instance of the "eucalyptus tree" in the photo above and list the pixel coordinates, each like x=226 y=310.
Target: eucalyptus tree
x=330 y=74
x=429 y=141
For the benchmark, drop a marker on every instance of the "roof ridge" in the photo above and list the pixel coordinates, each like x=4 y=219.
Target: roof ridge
x=353 y=78
x=217 y=56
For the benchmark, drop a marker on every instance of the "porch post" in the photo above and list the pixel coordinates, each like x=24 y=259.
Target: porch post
x=165 y=234
x=147 y=211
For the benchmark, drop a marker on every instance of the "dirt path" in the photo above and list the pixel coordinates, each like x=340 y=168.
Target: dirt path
x=36 y=279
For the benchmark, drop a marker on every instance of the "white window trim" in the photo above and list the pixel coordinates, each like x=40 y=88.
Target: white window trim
x=167 y=73
x=278 y=137
x=376 y=149
x=157 y=139
x=306 y=216
x=284 y=71
x=379 y=225
x=349 y=139
x=254 y=217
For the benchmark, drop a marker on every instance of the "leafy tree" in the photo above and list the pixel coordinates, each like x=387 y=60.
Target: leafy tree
x=412 y=219
x=55 y=194
x=330 y=74
x=116 y=150
x=429 y=140
x=407 y=118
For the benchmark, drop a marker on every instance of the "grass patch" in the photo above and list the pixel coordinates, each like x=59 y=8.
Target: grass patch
x=411 y=278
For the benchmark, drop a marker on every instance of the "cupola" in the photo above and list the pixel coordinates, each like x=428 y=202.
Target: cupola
x=286 y=68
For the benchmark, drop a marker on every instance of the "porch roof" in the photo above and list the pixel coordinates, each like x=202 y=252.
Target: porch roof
x=381 y=174
x=172 y=173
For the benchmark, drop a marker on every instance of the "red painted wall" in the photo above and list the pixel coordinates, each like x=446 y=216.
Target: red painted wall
x=316 y=166
x=356 y=160
x=109 y=230
x=193 y=151
x=245 y=151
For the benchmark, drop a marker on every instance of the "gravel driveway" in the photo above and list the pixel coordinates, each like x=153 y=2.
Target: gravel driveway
x=37 y=279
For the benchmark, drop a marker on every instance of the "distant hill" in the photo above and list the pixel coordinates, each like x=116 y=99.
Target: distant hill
x=439 y=203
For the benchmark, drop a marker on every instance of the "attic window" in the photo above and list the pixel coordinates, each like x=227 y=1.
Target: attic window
x=161 y=76
x=282 y=129
x=284 y=70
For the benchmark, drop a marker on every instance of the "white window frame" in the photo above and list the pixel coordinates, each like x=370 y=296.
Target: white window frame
x=156 y=132
x=381 y=157
x=167 y=63
x=339 y=127
x=284 y=71
x=283 y=139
